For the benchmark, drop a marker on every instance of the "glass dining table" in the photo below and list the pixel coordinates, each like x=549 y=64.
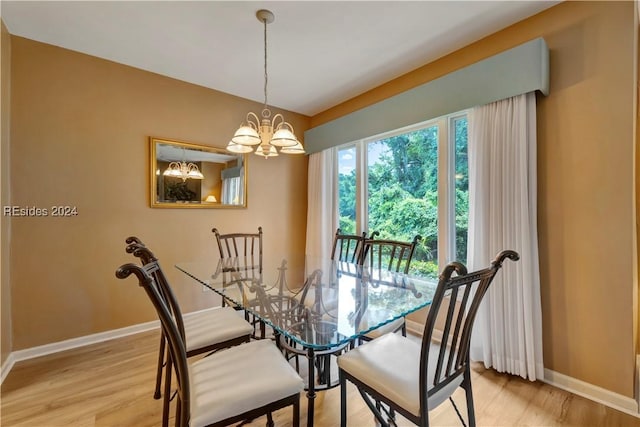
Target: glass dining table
x=316 y=311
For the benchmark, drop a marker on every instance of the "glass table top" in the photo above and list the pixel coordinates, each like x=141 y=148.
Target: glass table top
x=327 y=306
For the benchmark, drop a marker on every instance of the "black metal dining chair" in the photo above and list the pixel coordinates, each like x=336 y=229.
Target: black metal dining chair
x=392 y=255
x=241 y=251
x=397 y=375
x=227 y=387
x=348 y=247
x=200 y=334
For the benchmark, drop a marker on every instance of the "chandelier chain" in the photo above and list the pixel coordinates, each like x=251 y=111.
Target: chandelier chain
x=266 y=76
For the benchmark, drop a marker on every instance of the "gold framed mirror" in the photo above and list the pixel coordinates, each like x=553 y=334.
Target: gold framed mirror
x=186 y=175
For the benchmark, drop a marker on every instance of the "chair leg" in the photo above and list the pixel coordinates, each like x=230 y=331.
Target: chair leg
x=343 y=399
x=327 y=370
x=466 y=384
x=167 y=393
x=404 y=328
x=178 y=412
x=320 y=365
x=374 y=407
x=161 y=362
x=296 y=412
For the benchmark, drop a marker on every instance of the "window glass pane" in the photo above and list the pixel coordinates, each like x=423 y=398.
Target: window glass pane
x=232 y=193
x=462 y=188
x=402 y=197
x=347 y=189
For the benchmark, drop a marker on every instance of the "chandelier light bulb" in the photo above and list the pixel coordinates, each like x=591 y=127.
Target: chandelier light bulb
x=296 y=149
x=283 y=137
x=246 y=135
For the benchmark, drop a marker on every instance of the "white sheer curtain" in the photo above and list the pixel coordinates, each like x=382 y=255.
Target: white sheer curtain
x=232 y=193
x=322 y=211
x=507 y=334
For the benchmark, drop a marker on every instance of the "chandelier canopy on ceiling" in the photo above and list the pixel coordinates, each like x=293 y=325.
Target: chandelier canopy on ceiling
x=266 y=133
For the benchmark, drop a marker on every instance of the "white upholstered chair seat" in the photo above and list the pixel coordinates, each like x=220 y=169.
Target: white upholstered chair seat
x=390 y=365
x=239 y=379
x=209 y=327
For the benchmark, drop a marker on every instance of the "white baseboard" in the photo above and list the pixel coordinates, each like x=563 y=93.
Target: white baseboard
x=613 y=400
x=43 y=350
x=6 y=367
x=56 y=347
x=608 y=398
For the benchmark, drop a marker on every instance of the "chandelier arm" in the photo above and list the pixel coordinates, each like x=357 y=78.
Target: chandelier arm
x=274 y=121
x=255 y=123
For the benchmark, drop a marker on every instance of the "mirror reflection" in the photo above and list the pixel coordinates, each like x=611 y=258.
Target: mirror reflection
x=185 y=175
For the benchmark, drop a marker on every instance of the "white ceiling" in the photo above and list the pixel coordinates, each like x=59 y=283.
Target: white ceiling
x=320 y=52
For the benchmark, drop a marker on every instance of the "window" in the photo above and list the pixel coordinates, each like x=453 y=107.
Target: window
x=411 y=181
x=347 y=189
x=461 y=187
x=233 y=186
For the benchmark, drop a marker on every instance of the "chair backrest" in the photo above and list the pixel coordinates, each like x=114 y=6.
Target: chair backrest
x=152 y=267
x=173 y=334
x=389 y=254
x=243 y=249
x=348 y=247
x=457 y=298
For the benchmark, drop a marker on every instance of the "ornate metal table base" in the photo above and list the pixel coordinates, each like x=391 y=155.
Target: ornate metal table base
x=317 y=360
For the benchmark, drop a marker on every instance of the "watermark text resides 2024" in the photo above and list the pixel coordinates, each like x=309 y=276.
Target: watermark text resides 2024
x=35 y=211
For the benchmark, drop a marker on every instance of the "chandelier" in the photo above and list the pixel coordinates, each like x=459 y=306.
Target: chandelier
x=183 y=170
x=266 y=133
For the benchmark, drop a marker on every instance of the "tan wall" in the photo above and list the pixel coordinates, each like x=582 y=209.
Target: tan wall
x=5 y=285
x=585 y=181
x=80 y=128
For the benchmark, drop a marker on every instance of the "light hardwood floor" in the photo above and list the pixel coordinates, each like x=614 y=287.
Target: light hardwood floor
x=111 y=384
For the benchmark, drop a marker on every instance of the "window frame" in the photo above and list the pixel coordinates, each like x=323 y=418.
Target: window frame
x=446 y=179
